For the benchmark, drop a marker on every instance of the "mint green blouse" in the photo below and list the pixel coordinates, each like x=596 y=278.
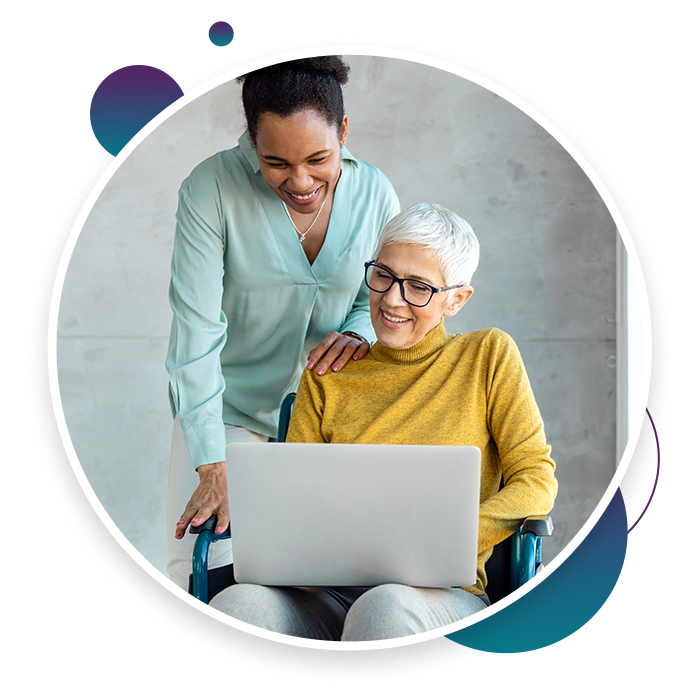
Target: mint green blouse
x=247 y=306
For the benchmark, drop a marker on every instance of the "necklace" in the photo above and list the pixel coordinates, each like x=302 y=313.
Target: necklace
x=302 y=236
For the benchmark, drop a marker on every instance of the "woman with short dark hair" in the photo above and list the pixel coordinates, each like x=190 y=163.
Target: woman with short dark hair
x=266 y=279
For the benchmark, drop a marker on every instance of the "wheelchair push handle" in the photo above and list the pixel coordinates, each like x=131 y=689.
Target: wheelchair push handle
x=209 y=524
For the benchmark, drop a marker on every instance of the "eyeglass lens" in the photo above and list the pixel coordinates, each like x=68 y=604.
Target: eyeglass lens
x=412 y=291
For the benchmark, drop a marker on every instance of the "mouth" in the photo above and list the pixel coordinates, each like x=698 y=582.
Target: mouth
x=391 y=321
x=304 y=200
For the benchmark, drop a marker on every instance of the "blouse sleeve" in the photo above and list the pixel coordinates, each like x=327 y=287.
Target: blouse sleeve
x=357 y=319
x=517 y=429
x=199 y=325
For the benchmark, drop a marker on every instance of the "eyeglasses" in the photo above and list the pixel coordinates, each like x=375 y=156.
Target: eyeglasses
x=413 y=292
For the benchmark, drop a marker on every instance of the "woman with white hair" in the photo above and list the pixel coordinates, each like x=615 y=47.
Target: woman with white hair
x=435 y=388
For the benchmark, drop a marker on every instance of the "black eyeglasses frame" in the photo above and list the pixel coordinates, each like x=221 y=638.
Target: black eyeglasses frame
x=434 y=290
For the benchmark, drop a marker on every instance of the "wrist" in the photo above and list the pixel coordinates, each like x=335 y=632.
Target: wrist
x=214 y=469
x=357 y=336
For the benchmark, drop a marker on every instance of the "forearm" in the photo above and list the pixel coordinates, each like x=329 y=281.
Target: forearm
x=358 y=321
x=517 y=429
x=530 y=493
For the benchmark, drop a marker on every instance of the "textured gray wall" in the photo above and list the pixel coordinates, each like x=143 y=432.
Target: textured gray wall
x=547 y=277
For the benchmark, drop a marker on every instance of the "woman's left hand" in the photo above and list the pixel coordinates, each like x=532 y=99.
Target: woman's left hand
x=334 y=351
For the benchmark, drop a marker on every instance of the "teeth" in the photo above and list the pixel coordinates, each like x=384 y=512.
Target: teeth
x=306 y=196
x=394 y=319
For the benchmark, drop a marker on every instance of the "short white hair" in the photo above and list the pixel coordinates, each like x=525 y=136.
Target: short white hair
x=440 y=230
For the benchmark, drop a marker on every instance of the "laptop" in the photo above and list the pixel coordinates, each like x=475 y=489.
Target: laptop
x=354 y=515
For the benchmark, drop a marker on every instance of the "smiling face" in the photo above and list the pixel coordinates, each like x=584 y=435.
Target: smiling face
x=299 y=157
x=399 y=325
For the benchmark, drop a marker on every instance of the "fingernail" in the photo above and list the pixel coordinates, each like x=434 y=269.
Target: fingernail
x=336 y=368
x=180 y=522
x=355 y=357
x=195 y=520
x=321 y=371
x=310 y=365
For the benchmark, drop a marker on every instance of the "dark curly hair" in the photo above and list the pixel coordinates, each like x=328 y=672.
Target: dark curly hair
x=286 y=88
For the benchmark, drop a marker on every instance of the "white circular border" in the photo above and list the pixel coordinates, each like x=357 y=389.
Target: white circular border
x=403 y=54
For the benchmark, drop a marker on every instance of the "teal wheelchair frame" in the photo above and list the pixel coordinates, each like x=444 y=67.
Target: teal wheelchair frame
x=513 y=562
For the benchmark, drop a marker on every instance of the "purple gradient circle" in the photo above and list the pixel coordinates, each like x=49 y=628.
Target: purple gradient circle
x=126 y=100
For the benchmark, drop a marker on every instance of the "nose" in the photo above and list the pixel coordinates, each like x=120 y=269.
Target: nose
x=300 y=180
x=392 y=296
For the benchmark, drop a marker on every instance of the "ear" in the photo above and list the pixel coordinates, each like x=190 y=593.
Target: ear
x=459 y=299
x=344 y=130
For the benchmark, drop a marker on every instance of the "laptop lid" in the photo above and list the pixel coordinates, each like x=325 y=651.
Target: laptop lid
x=354 y=515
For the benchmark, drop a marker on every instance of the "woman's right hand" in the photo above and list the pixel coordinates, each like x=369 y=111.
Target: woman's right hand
x=336 y=348
x=211 y=496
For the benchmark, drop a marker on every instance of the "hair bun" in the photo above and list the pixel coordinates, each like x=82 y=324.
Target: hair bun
x=323 y=65
x=333 y=66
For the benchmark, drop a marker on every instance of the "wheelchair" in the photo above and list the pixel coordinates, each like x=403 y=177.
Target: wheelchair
x=513 y=562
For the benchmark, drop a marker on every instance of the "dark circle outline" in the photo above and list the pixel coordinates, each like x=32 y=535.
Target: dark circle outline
x=658 y=468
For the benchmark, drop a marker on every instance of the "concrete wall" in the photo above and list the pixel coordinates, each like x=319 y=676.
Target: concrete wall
x=547 y=277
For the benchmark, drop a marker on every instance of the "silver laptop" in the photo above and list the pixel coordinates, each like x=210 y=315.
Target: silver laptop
x=354 y=515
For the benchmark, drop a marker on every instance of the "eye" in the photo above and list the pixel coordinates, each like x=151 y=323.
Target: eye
x=318 y=160
x=418 y=287
x=380 y=274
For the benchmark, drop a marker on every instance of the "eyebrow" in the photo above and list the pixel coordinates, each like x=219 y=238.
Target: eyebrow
x=313 y=155
x=418 y=278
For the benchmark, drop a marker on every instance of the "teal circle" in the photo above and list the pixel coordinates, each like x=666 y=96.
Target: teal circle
x=564 y=601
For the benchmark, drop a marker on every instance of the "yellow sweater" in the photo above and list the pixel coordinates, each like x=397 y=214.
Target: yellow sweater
x=467 y=389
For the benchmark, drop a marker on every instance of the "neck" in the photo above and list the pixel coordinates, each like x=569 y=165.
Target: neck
x=431 y=343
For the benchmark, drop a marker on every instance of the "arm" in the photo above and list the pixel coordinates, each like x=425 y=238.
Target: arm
x=197 y=337
x=517 y=429
x=336 y=349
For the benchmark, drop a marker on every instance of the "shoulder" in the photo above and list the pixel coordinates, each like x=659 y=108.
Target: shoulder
x=484 y=337
x=311 y=387
x=491 y=357
x=213 y=171
x=371 y=172
x=372 y=179
x=332 y=382
x=491 y=347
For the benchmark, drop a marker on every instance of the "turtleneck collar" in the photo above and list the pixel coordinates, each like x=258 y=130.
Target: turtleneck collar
x=431 y=343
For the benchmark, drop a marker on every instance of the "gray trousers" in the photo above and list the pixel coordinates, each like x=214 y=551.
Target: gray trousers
x=347 y=614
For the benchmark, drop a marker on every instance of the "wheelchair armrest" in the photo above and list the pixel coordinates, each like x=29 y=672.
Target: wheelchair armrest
x=530 y=547
x=538 y=526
